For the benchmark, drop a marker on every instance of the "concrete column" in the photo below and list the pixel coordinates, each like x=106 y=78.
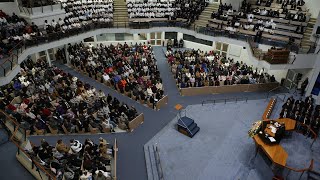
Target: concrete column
x=313 y=78
x=66 y=53
x=136 y=37
x=48 y=58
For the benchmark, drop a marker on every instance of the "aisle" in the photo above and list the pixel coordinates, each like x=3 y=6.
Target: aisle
x=131 y=162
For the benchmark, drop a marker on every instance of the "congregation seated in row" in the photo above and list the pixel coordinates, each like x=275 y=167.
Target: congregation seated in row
x=304 y=112
x=85 y=161
x=195 y=68
x=129 y=68
x=46 y=99
x=171 y=9
x=13 y=29
x=81 y=13
x=298 y=15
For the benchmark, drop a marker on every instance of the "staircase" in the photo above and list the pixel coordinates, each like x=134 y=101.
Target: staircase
x=154 y=171
x=305 y=42
x=120 y=13
x=187 y=126
x=313 y=175
x=206 y=15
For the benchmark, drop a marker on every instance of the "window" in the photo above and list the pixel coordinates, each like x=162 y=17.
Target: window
x=222 y=48
x=51 y=54
x=89 y=39
x=142 y=36
x=171 y=35
x=42 y=55
x=156 y=38
x=123 y=37
x=196 y=40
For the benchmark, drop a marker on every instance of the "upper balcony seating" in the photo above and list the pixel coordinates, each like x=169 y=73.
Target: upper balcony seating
x=169 y=9
x=13 y=30
x=277 y=24
x=38 y=3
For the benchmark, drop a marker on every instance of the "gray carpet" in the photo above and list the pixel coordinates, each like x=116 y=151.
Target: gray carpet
x=131 y=162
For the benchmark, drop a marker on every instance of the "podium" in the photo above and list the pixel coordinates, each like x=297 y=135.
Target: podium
x=186 y=125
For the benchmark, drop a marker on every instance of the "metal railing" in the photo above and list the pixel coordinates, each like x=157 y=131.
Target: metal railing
x=158 y=162
x=8 y=64
x=225 y=100
x=19 y=138
x=30 y=8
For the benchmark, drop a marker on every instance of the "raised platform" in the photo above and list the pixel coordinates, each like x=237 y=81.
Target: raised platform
x=223 y=149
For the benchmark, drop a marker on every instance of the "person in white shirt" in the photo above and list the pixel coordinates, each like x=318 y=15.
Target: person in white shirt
x=149 y=92
x=264 y=12
x=53 y=23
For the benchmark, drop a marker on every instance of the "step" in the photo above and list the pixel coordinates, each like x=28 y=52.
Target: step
x=192 y=126
x=185 y=121
x=313 y=176
x=195 y=131
x=151 y=165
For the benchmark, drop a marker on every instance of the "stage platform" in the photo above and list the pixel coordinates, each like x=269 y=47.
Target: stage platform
x=221 y=150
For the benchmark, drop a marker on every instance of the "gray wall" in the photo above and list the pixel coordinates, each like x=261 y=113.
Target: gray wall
x=9 y=7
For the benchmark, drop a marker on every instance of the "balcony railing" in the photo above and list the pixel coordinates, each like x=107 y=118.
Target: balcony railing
x=7 y=64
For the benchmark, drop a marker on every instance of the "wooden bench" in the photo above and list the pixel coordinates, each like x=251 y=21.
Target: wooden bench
x=53 y=131
x=93 y=130
x=65 y=129
x=39 y=131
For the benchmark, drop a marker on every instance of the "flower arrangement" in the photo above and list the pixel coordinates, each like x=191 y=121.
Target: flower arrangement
x=256 y=126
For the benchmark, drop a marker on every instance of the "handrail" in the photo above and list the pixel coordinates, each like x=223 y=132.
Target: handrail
x=21 y=149
x=101 y=25
x=236 y=99
x=158 y=162
x=269 y=92
x=33 y=161
x=115 y=148
x=301 y=170
x=14 y=48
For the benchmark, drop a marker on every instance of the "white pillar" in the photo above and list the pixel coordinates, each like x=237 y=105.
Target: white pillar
x=66 y=53
x=48 y=58
x=313 y=78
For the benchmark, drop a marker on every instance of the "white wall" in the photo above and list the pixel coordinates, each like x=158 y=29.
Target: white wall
x=9 y=7
x=312 y=79
x=303 y=60
x=235 y=3
x=196 y=46
x=278 y=74
x=313 y=6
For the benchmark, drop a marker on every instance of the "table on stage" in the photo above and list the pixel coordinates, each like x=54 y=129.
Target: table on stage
x=275 y=152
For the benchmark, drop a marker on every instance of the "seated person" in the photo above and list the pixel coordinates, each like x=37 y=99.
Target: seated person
x=264 y=12
x=258 y=3
x=268 y=3
x=256 y=11
x=300 y=3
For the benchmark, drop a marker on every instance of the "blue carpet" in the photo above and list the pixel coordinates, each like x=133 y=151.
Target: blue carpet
x=131 y=162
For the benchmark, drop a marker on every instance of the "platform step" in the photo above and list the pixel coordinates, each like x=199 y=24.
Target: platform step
x=192 y=126
x=151 y=165
x=313 y=175
x=194 y=131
